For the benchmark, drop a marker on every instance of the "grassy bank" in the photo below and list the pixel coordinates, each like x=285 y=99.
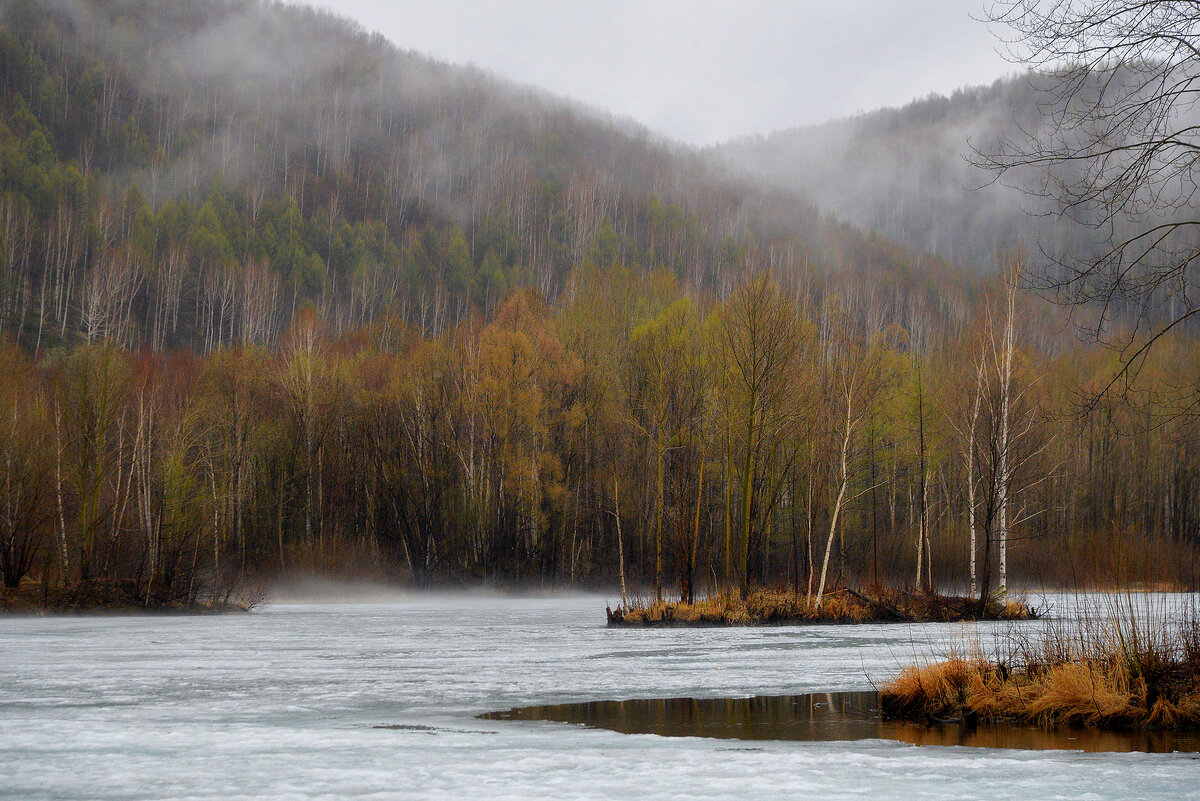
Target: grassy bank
x=32 y=597
x=876 y=605
x=1118 y=672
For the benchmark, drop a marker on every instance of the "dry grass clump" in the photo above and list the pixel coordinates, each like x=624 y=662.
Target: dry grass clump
x=941 y=686
x=760 y=606
x=723 y=608
x=1015 y=610
x=1116 y=673
x=726 y=607
x=842 y=607
x=931 y=607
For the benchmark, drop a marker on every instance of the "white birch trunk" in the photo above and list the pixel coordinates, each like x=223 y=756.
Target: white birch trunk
x=1005 y=399
x=837 y=506
x=971 y=476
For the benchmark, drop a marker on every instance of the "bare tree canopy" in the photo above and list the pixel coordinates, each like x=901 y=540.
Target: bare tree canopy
x=1118 y=152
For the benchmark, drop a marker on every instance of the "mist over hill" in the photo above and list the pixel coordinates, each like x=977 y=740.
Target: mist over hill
x=217 y=164
x=907 y=173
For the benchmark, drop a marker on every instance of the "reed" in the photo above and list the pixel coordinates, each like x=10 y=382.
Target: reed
x=1111 y=666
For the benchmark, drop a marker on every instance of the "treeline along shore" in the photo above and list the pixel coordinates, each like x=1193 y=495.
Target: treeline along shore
x=632 y=431
x=360 y=313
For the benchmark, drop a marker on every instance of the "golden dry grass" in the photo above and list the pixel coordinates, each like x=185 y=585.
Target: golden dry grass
x=1106 y=674
x=723 y=608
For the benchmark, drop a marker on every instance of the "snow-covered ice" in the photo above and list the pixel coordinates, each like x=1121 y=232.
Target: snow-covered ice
x=288 y=702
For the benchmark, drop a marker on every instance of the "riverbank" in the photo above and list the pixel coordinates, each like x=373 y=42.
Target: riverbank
x=110 y=596
x=763 y=607
x=1117 y=674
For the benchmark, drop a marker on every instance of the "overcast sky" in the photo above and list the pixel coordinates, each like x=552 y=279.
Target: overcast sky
x=703 y=71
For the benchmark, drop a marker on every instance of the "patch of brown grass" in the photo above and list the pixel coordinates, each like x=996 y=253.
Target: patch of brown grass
x=1015 y=610
x=844 y=608
x=1080 y=693
x=723 y=608
x=726 y=607
x=935 y=689
x=1106 y=673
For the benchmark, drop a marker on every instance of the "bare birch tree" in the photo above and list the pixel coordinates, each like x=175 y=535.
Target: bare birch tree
x=858 y=371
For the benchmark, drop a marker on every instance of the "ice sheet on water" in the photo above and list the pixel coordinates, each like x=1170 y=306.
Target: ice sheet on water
x=287 y=703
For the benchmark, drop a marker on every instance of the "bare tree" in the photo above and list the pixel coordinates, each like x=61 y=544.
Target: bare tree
x=25 y=511
x=166 y=293
x=857 y=371
x=105 y=300
x=971 y=426
x=759 y=334
x=1009 y=437
x=16 y=250
x=1118 y=152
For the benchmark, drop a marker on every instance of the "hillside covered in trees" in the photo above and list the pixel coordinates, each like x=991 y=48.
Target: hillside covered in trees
x=278 y=296
x=906 y=172
x=913 y=174
x=216 y=165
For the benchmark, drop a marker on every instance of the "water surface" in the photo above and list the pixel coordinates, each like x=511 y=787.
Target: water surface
x=826 y=717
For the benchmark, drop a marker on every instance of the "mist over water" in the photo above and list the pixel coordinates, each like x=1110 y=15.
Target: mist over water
x=378 y=700
x=315 y=589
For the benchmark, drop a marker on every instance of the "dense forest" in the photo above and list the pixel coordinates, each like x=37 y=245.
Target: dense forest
x=277 y=296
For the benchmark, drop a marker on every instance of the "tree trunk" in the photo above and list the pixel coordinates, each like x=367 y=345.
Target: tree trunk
x=620 y=543
x=837 y=506
x=691 y=560
x=658 y=529
x=1005 y=400
x=971 y=475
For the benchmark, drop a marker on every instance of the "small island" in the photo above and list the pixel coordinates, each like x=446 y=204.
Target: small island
x=846 y=605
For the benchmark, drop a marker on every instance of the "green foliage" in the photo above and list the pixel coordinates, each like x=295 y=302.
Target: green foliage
x=606 y=247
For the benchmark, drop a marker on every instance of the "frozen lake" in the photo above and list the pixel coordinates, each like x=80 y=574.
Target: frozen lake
x=289 y=702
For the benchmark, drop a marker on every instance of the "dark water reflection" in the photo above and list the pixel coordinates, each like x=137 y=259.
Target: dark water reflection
x=828 y=716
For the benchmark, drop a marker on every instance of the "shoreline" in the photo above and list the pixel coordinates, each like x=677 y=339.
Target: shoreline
x=107 y=597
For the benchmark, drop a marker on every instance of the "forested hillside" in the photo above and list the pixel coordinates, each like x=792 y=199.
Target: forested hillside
x=907 y=172
x=215 y=165
x=918 y=176
x=279 y=296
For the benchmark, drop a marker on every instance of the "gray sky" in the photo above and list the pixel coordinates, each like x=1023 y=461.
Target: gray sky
x=704 y=71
